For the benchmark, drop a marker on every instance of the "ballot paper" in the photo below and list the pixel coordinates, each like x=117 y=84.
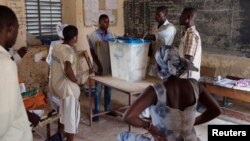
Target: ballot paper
x=225 y=82
x=40 y=113
x=40 y=55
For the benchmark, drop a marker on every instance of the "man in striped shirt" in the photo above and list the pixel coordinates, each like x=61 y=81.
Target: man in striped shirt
x=190 y=46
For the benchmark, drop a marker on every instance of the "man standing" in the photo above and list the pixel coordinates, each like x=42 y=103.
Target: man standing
x=163 y=33
x=190 y=46
x=13 y=117
x=99 y=48
x=64 y=83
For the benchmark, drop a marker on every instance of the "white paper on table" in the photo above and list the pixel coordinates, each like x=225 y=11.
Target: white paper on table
x=37 y=112
x=22 y=87
x=39 y=56
x=225 y=82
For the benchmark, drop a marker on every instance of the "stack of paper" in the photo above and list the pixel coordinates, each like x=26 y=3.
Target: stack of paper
x=225 y=82
x=40 y=55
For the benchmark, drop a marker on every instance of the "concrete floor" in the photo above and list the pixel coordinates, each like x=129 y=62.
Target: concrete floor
x=108 y=127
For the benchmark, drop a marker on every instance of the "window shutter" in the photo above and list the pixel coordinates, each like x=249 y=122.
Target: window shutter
x=42 y=17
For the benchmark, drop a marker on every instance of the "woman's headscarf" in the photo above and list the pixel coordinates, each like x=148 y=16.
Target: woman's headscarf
x=59 y=29
x=170 y=62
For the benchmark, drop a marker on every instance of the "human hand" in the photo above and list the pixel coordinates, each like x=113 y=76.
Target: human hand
x=125 y=35
x=130 y=35
x=43 y=59
x=99 y=70
x=158 y=136
x=91 y=70
x=22 y=51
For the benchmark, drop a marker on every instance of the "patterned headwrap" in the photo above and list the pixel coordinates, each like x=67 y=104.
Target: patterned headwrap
x=59 y=29
x=170 y=62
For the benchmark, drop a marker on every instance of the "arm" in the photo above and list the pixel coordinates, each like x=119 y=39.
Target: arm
x=87 y=59
x=190 y=46
x=18 y=55
x=212 y=108
x=69 y=72
x=94 y=56
x=190 y=58
x=148 y=37
x=147 y=98
x=97 y=61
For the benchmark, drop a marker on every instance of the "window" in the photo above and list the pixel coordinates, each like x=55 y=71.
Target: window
x=42 y=17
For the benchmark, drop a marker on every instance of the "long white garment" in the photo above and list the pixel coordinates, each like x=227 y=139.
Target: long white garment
x=13 y=117
x=70 y=114
x=164 y=36
x=52 y=98
x=60 y=84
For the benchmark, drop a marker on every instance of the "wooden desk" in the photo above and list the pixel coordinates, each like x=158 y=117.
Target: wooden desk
x=228 y=92
x=46 y=122
x=127 y=87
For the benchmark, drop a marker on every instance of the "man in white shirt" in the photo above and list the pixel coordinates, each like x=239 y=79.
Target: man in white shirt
x=13 y=117
x=190 y=46
x=163 y=33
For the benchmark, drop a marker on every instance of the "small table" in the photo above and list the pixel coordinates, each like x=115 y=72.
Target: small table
x=47 y=122
x=127 y=87
x=228 y=92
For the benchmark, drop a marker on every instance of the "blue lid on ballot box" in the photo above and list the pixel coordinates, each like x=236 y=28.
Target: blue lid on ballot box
x=129 y=40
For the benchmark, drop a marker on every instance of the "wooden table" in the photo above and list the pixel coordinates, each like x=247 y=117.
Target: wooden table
x=228 y=92
x=127 y=87
x=46 y=122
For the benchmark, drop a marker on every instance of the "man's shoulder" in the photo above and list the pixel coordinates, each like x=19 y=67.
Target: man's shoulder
x=92 y=36
x=62 y=48
x=4 y=57
x=193 y=31
x=170 y=26
x=93 y=33
x=54 y=43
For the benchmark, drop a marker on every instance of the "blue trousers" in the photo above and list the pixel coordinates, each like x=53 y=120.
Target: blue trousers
x=96 y=92
x=97 y=97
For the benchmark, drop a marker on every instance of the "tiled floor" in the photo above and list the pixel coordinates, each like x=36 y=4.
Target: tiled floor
x=108 y=127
